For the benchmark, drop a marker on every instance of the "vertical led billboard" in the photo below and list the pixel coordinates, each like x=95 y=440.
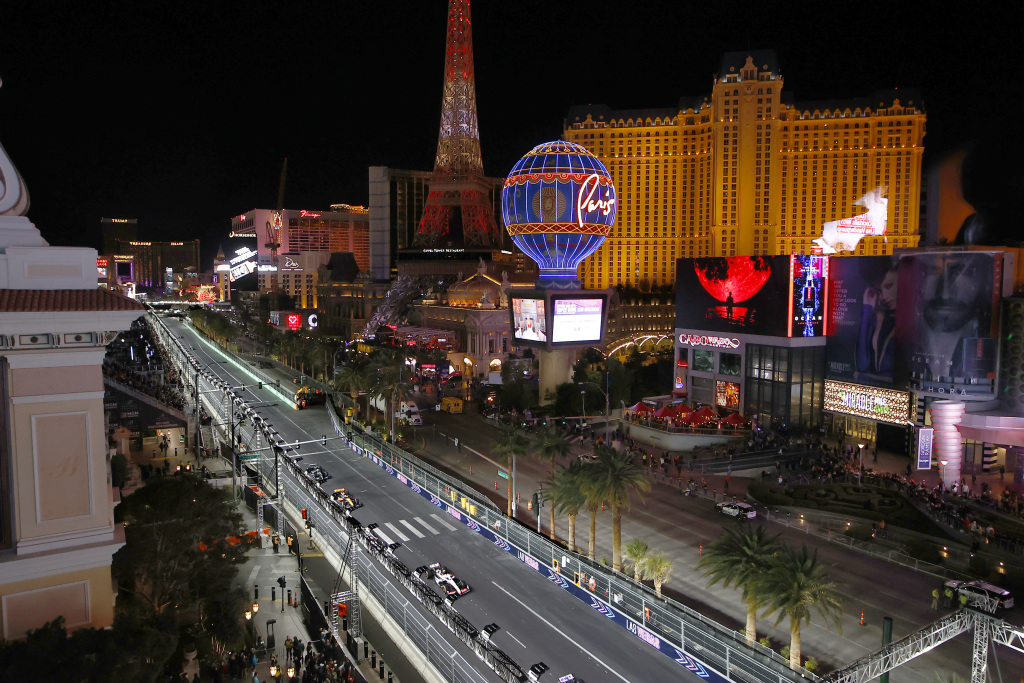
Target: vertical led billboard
x=862 y=319
x=529 y=319
x=947 y=322
x=808 y=296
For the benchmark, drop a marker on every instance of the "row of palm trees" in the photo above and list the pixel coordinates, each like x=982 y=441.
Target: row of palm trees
x=606 y=479
x=384 y=376
x=775 y=579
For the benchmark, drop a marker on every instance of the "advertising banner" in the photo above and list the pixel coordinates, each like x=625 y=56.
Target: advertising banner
x=924 y=448
x=862 y=319
x=883 y=405
x=945 y=332
x=747 y=294
x=529 y=322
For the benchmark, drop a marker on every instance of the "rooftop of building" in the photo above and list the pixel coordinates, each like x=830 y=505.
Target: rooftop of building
x=764 y=60
x=65 y=300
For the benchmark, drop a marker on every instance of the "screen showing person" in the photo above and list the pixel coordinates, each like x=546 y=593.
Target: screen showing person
x=948 y=314
x=528 y=319
x=576 y=320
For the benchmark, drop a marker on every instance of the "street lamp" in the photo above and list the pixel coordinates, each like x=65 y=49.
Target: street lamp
x=291 y=672
x=860 y=469
x=248 y=620
x=942 y=471
x=607 y=406
x=583 y=397
x=255 y=607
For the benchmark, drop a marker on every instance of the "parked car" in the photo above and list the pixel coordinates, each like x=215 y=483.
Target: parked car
x=1002 y=597
x=737 y=509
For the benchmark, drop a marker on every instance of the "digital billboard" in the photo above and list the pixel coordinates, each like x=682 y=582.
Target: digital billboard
x=577 y=319
x=947 y=322
x=529 y=320
x=808 y=296
x=883 y=405
x=861 y=342
x=727 y=394
x=748 y=294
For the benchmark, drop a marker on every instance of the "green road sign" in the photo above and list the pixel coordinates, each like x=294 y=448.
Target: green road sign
x=249 y=456
x=503 y=474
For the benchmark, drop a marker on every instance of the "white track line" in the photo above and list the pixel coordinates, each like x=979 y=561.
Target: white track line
x=419 y=534
x=556 y=630
x=402 y=537
x=443 y=523
x=382 y=536
x=427 y=526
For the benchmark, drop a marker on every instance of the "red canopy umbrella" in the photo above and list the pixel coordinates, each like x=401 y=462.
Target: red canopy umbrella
x=734 y=419
x=666 y=411
x=701 y=416
x=682 y=409
x=640 y=407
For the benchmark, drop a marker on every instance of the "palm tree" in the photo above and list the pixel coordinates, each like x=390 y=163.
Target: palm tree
x=388 y=382
x=550 y=444
x=636 y=553
x=658 y=568
x=564 y=493
x=352 y=381
x=614 y=479
x=795 y=585
x=511 y=444
x=739 y=557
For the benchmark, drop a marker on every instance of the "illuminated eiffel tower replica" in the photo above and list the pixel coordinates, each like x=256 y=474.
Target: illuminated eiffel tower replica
x=458 y=222
x=457 y=234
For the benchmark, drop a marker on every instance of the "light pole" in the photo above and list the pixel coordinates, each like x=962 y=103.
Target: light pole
x=942 y=471
x=583 y=397
x=607 y=406
x=860 y=468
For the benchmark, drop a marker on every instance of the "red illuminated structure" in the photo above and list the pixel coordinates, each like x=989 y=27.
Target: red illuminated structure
x=457 y=211
x=293 y=321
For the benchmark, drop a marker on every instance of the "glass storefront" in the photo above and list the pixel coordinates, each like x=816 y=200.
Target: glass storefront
x=784 y=385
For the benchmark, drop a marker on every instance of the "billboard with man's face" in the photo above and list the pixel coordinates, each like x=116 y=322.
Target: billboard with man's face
x=947 y=323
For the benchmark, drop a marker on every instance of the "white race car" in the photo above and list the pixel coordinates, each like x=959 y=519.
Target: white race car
x=452 y=586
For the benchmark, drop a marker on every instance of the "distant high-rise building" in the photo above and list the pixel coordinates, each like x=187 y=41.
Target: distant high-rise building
x=746 y=172
x=152 y=259
x=124 y=229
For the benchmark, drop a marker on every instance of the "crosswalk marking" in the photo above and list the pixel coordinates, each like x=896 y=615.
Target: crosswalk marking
x=398 y=533
x=424 y=525
x=383 y=536
x=413 y=529
x=443 y=523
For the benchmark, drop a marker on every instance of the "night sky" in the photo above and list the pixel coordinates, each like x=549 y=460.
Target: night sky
x=180 y=113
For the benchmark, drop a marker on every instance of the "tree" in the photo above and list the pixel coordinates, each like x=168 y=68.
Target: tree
x=739 y=557
x=658 y=568
x=613 y=478
x=353 y=381
x=795 y=585
x=511 y=444
x=549 y=445
x=636 y=553
x=565 y=494
x=388 y=380
x=177 y=555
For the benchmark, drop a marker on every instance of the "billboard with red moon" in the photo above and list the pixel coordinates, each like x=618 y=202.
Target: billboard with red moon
x=749 y=294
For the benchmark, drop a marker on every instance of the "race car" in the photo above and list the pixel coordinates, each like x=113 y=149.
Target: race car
x=348 y=501
x=452 y=586
x=319 y=474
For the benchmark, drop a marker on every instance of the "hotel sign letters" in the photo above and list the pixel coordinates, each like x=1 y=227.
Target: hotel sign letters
x=706 y=340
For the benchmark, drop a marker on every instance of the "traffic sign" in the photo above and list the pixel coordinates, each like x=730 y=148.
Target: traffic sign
x=249 y=456
x=503 y=474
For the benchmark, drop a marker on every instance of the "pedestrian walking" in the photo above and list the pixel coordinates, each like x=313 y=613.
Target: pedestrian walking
x=935 y=598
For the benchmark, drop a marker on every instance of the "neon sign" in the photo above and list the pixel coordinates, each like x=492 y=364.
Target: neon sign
x=588 y=204
x=309 y=214
x=706 y=340
x=884 y=405
x=293 y=321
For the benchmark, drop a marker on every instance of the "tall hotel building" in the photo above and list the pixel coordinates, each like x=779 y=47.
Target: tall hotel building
x=746 y=172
